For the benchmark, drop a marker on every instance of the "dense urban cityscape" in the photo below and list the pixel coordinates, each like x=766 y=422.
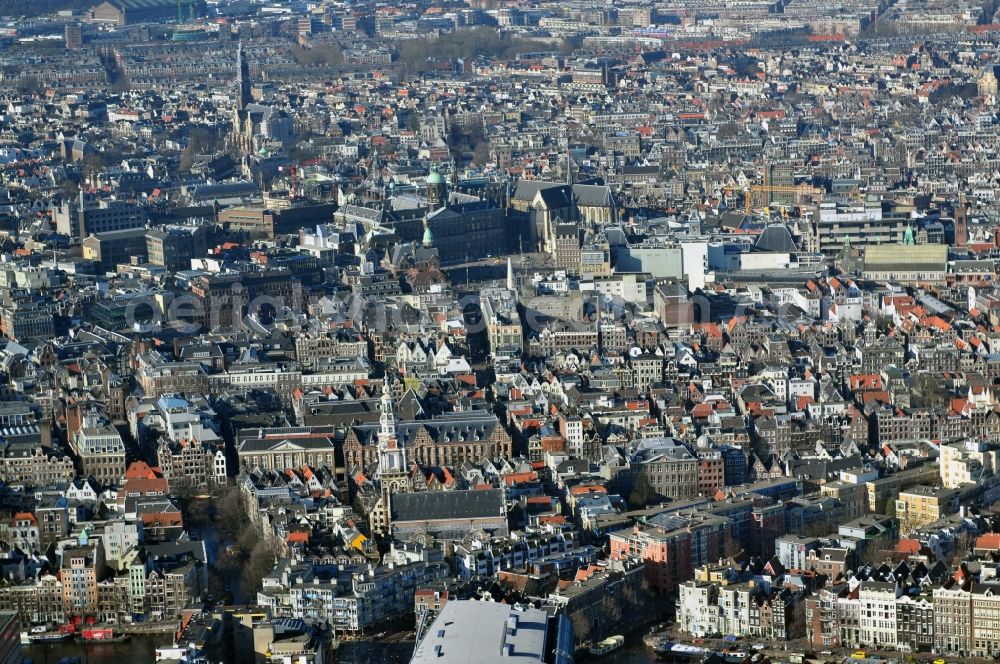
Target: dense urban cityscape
x=499 y=330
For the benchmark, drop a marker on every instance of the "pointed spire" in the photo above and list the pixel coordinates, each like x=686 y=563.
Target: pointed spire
x=391 y=454
x=387 y=419
x=242 y=78
x=569 y=164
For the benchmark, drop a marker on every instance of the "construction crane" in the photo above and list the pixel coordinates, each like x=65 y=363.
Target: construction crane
x=800 y=192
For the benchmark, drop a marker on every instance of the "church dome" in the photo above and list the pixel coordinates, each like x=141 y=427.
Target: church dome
x=435 y=178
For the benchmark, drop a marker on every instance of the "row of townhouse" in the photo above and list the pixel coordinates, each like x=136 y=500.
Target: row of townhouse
x=744 y=609
x=479 y=559
x=349 y=598
x=159 y=581
x=957 y=618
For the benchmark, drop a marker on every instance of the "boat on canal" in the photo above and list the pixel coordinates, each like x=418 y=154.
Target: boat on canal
x=48 y=637
x=101 y=635
x=607 y=646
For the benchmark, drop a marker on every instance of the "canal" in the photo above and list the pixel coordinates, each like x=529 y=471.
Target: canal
x=140 y=649
x=631 y=653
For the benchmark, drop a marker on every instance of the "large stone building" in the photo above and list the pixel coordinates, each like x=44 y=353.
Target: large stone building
x=447 y=440
x=89 y=215
x=913 y=263
x=127 y=12
x=226 y=298
x=173 y=247
x=921 y=505
x=101 y=451
x=672 y=546
x=111 y=248
x=988 y=80
x=278 y=449
x=666 y=467
x=459 y=226
x=465 y=228
x=537 y=208
x=23 y=319
x=449 y=514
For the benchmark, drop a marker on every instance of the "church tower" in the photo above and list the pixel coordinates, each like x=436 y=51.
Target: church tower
x=242 y=78
x=393 y=468
x=437 y=191
x=391 y=455
x=241 y=139
x=428 y=240
x=961 y=222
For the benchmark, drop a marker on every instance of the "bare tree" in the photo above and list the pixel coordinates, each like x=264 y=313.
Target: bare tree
x=582 y=627
x=874 y=554
x=261 y=561
x=642 y=491
x=931 y=391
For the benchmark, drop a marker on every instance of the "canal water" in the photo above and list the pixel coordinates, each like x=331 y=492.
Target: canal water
x=140 y=649
x=631 y=653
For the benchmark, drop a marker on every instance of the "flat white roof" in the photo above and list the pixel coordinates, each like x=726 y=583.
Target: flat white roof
x=471 y=632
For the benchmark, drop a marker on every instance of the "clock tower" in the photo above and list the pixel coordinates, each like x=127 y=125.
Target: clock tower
x=393 y=468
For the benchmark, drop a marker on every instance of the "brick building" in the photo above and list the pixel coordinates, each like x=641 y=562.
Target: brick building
x=672 y=545
x=447 y=440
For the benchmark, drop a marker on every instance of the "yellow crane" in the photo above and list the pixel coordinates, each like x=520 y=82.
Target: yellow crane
x=801 y=192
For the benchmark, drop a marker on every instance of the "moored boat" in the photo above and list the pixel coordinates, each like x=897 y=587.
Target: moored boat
x=607 y=646
x=42 y=633
x=44 y=637
x=101 y=635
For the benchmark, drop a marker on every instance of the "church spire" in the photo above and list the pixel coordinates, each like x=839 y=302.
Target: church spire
x=242 y=78
x=391 y=455
x=387 y=418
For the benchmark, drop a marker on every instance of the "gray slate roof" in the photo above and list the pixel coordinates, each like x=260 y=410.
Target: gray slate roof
x=440 y=505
